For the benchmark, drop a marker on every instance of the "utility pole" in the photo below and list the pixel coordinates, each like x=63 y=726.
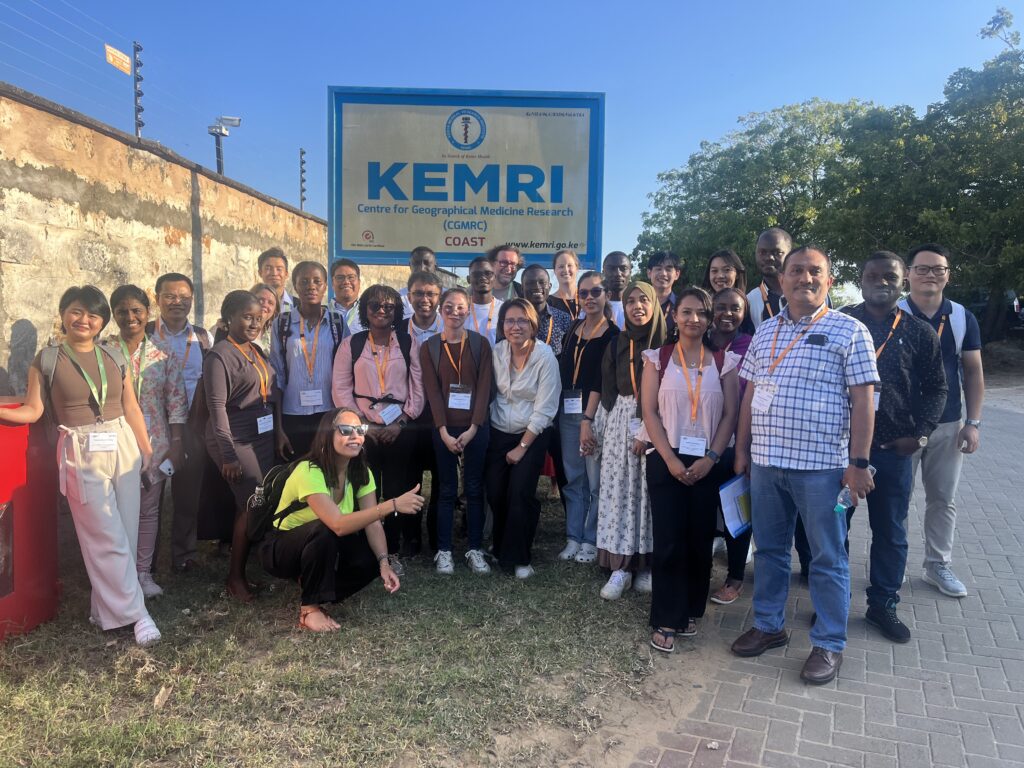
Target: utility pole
x=302 y=179
x=137 y=78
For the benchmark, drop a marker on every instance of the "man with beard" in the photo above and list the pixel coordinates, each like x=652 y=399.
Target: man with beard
x=507 y=262
x=616 y=268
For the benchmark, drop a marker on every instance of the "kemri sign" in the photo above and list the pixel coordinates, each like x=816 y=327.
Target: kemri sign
x=462 y=172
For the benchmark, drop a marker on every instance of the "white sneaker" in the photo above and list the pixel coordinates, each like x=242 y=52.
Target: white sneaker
x=571 y=548
x=524 y=571
x=149 y=587
x=444 y=562
x=477 y=562
x=618 y=583
x=587 y=553
x=940 y=576
x=146 y=633
x=642 y=582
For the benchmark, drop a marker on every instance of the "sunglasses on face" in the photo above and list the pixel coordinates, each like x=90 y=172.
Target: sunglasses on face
x=594 y=293
x=379 y=306
x=347 y=430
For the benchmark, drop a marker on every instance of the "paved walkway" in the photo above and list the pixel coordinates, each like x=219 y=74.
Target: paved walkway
x=954 y=695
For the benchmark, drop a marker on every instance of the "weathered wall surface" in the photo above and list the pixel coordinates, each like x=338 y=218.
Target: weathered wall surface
x=81 y=202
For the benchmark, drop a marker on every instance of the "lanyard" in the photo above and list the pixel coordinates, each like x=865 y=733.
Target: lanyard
x=188 y=343
x=632 y=370
x=551 y=328
x=476 y=320
x=380 y=364
x=99 y=395
x=578 y=354
x=899 y=316
x=800 y=335
x=694 y=396
x=462 y=348
x=136 y=374
x=262 y=372
x=310 y=361
x=764 y=299
x=942 y=326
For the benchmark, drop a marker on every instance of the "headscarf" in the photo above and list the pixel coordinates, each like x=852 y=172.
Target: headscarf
x=648 y=336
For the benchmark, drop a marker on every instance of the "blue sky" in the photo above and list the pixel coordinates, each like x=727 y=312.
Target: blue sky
x=674 y=73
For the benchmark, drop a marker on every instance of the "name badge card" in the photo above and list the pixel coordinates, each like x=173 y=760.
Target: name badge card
x=634 y=427
x=764 y=393
x=312 y=398
x=265 y=424
x=460 y=397
x=693 y=444
x=388 y=413
x=878 y=398
x=572 y=401
x=102 y=441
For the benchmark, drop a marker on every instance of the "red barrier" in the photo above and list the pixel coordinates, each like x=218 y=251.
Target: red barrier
x=29 y=585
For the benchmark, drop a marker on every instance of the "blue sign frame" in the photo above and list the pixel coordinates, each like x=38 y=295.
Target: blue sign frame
x=337 y=96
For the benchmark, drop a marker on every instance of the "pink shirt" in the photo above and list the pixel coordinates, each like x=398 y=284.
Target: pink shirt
x=400 y=384
x=674 y=397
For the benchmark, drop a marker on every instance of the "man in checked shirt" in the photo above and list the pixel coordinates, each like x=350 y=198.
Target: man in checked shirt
x=804 y=432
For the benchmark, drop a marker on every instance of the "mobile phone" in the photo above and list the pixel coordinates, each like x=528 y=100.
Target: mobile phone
x=166 y=467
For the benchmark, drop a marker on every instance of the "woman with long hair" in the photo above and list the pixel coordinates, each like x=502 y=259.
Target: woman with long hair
x=566 y=265
x=624 y=542
x=333 y=542
x=271 y=308
x=725 y=270
x=102 y=451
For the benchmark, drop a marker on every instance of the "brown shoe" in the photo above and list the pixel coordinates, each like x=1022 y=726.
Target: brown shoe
x=754 y=642
x=821 y=666
x=728 y=593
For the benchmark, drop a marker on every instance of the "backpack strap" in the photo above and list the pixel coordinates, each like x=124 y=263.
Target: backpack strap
x=434 y=350
x=284 y=332
x=664 y=356
x=719 y=355
x=358 y=345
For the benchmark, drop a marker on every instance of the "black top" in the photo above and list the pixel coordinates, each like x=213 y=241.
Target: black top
x=913 y=389
x=589 y=379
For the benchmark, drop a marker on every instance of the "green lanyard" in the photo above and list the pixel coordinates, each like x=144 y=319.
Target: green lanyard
x=100 y=395
x=136 y=375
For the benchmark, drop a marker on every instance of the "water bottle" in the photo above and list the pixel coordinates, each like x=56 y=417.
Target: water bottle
x=845 y=499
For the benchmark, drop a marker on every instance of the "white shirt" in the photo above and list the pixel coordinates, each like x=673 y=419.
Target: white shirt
x=478 y=319
x=351 y=315
x=526 y=399
x=618 y=313
x=420 y=335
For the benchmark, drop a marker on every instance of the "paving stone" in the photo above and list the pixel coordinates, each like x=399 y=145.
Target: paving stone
x=674 y=759
x=780 y=760
x=710 y=758
x=705 y=730
x=677 y=741
x=835 y=755
x=648 y=755
x=978 y=740
x=782 y=736
x=730 y=696
x=946 y=749
x=747 y=746
x=864 y=743
x=913 y=756
x=816 y=727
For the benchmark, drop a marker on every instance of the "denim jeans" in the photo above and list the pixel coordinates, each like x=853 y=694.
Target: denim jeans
x=582 y=483
x=778 y=496
x=448 y=479
x=887 y=516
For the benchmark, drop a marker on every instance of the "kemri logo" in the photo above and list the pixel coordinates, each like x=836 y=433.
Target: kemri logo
x=368 y=235
x=465 y=129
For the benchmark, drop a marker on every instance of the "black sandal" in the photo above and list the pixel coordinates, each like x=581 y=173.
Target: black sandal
x=668 y=634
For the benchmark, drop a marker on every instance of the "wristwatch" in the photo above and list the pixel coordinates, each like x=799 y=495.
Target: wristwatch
x=523 y=445
x=976 y=423
x=860 y=463
x=922 y=441
x=710 y=454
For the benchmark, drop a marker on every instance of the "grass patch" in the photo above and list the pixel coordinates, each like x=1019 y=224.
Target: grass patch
x=428 y=676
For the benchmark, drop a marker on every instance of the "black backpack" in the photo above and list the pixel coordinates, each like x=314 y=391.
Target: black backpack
x=284 y=331
x=359 y=343
x=261 y=509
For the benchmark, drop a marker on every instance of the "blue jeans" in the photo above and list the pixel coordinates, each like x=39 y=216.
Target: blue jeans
x=777 y=497
x=582 y=483
x=887 y=515
x=473 y=477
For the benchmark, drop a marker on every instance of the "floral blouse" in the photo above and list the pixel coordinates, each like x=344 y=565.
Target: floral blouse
x=162 y=393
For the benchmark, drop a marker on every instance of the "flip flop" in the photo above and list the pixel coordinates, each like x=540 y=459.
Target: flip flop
x=668 y=634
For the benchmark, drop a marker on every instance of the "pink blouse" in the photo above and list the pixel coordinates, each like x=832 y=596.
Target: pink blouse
x=674 y=397
x=402 y=385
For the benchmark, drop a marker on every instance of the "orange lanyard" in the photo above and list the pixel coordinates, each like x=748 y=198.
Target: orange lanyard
x=310 y=361
x=188 y=343
x=942 y=325
x=462 y=348
x=632 y=370
x=764 y=299
x=899 y=316
x=694 y=396
x=800 y=335
x=262 y=372
x=578 y=354
x=551 y=328
x=380 y=365
x=476 y=320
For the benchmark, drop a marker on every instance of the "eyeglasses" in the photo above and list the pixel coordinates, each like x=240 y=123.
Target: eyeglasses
x=923 y=269
x=342 y=278
x=425 y=294
x=176 y=298
x=482 y=275
x=508 y=264
x=517 y=322
x=347 y=430
x=378 y=306
x=594 y=293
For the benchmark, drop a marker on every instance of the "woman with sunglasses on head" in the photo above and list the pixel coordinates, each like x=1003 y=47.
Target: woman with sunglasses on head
x=580 y=368
x=457 y=373
x=244 y=427
x=334 y=545
x=725 y=270
x=624 y=542
x=690 y=404
x=526 y=402
x=102 y=449
x=377 y=374
x=566 y=265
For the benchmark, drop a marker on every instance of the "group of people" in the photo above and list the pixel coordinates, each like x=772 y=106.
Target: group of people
x=640 y=401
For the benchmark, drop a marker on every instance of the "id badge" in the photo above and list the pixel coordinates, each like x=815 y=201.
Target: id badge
x=312 y=398
x=460 y=397
x=693 y=443
x=764 y=393
x=634 y=427
x=265 y=424
x=878 y=398
x=102 y=442
x=388 y=413
x=572 y=401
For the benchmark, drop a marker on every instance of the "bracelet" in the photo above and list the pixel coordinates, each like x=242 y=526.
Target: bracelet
x=587 y=418
x=394 y=506
x=382 y=558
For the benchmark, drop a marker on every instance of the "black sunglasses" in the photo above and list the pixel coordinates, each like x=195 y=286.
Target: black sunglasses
x=380 y=306
x=347 y=430
x=594 y=293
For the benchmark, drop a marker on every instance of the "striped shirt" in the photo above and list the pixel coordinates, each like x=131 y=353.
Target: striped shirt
x=807 y=425
x=299 y=379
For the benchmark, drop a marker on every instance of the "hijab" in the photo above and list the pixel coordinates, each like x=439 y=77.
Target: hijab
x=651 y=335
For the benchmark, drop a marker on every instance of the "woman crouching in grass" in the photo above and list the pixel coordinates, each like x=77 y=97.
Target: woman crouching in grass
x=332 y=549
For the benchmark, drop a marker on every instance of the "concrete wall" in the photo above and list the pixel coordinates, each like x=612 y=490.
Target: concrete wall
x=81 y=202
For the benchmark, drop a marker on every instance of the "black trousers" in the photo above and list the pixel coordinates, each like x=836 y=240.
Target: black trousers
x=394 y=471
x=300 y=430
x=684 y=519
x=329 y=568
x=512 y=494
x=555 y=452
x=426 y=461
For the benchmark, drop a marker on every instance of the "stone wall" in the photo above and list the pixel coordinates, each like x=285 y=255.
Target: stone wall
x=81 y=202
